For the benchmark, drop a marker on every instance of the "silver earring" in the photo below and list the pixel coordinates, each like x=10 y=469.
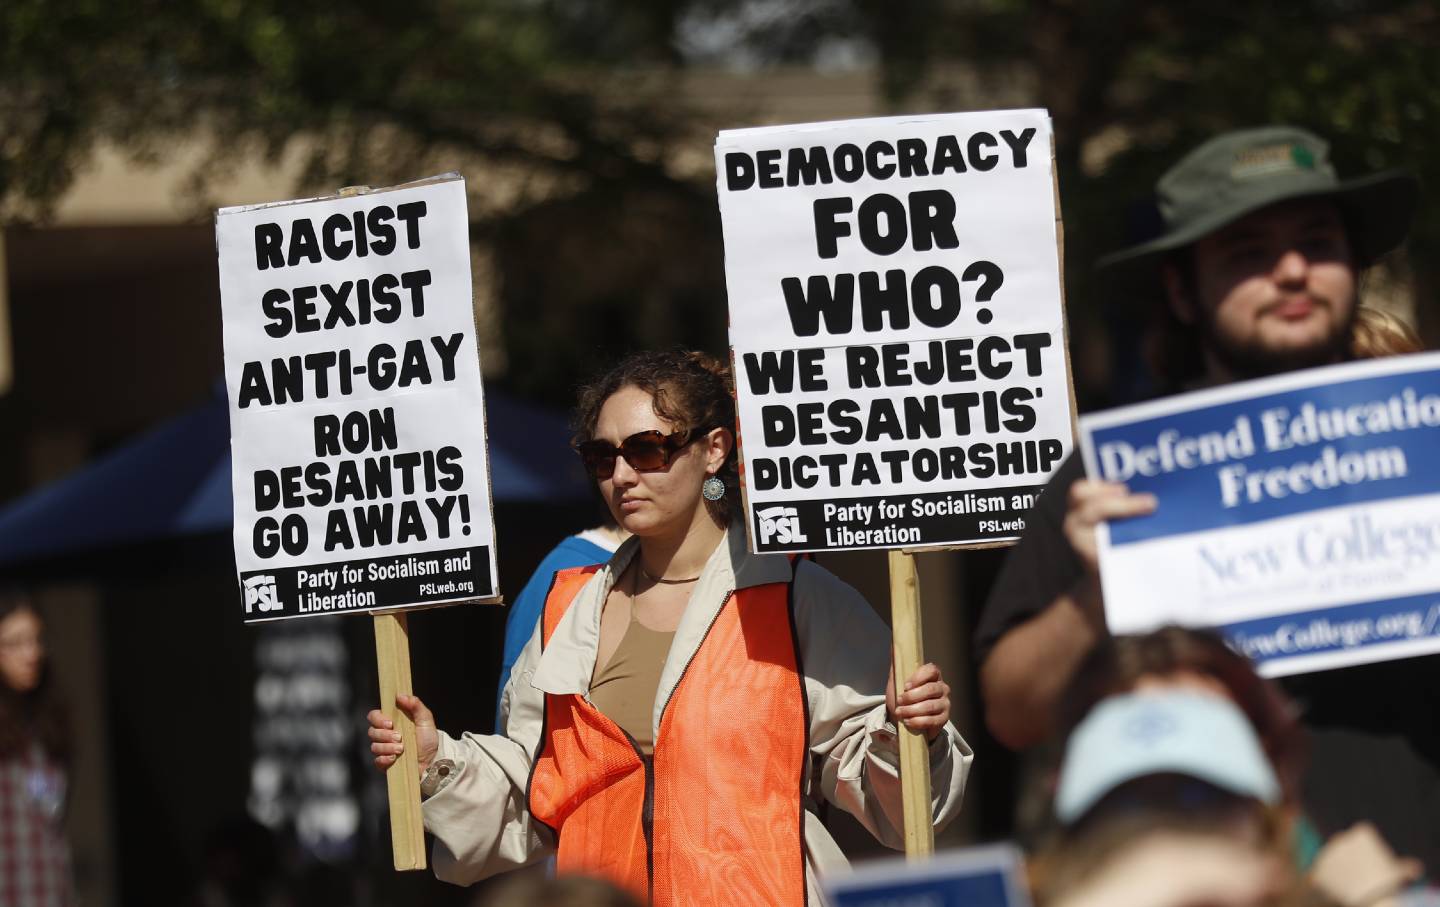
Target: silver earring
x=713 y=489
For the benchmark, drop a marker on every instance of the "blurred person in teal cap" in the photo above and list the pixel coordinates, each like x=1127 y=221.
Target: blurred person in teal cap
x=1190 y=758
x=1168 y=799
x=1257 y=272
x=1172 y=747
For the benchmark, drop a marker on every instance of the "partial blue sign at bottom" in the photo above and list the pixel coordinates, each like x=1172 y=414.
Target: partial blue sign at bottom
x=989 y=876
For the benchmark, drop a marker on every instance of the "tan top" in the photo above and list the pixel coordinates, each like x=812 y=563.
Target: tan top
x=624 y=689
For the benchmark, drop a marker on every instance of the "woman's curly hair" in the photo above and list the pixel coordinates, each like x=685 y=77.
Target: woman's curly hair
x=692 y=391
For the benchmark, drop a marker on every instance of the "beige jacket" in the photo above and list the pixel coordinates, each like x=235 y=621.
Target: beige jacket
x=479 y=816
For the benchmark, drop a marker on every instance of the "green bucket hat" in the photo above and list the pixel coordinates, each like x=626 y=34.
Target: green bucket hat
x=1240 y=172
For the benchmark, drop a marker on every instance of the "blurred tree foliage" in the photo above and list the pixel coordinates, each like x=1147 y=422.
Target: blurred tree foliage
x=1132 y=85
x=564 y=101
x=380 y=86
x=604 y=245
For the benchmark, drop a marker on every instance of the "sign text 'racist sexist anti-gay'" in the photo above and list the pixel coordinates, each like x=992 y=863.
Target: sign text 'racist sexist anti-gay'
x=357 y=412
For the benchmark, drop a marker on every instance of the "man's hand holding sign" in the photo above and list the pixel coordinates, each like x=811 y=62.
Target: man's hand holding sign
x=897 y=334
x=349 y=349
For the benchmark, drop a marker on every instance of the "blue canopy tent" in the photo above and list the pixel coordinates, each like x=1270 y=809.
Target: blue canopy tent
x=174 y=482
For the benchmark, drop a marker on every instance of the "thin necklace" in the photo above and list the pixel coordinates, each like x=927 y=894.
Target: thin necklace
x=663 y=581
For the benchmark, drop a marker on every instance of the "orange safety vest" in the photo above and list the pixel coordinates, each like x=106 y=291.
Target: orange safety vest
x=715 y=816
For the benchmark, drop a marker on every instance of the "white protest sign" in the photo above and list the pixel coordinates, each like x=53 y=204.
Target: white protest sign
x=357 y=419
x=896 y=326
x=990 y=876
x=1299 y=515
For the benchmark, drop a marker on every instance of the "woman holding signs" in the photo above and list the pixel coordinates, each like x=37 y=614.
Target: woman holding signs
x=683 y=709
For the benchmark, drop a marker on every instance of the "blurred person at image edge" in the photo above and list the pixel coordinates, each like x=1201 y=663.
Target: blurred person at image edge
x=34 y=758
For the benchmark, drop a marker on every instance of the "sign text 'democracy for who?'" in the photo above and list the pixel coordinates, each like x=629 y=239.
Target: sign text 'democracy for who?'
x=896 y=326
x=357 y=422
x=1299 y=514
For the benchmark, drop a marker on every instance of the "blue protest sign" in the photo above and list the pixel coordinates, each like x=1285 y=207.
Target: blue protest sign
x=1298 y=514
x=977 y=877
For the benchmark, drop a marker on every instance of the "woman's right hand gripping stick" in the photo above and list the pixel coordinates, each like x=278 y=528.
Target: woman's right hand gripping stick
x=385 y=742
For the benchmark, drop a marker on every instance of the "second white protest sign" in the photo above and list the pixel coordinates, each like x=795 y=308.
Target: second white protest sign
x=897 y=327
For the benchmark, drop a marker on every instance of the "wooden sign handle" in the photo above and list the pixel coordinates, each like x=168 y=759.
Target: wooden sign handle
x=402 y=780
x=914 y=751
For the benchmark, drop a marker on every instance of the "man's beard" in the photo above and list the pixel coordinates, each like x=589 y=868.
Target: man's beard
x=1245 y=360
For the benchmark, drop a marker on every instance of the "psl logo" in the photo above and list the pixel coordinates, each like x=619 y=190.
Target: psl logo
x=781 y=525
x=261 y=595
